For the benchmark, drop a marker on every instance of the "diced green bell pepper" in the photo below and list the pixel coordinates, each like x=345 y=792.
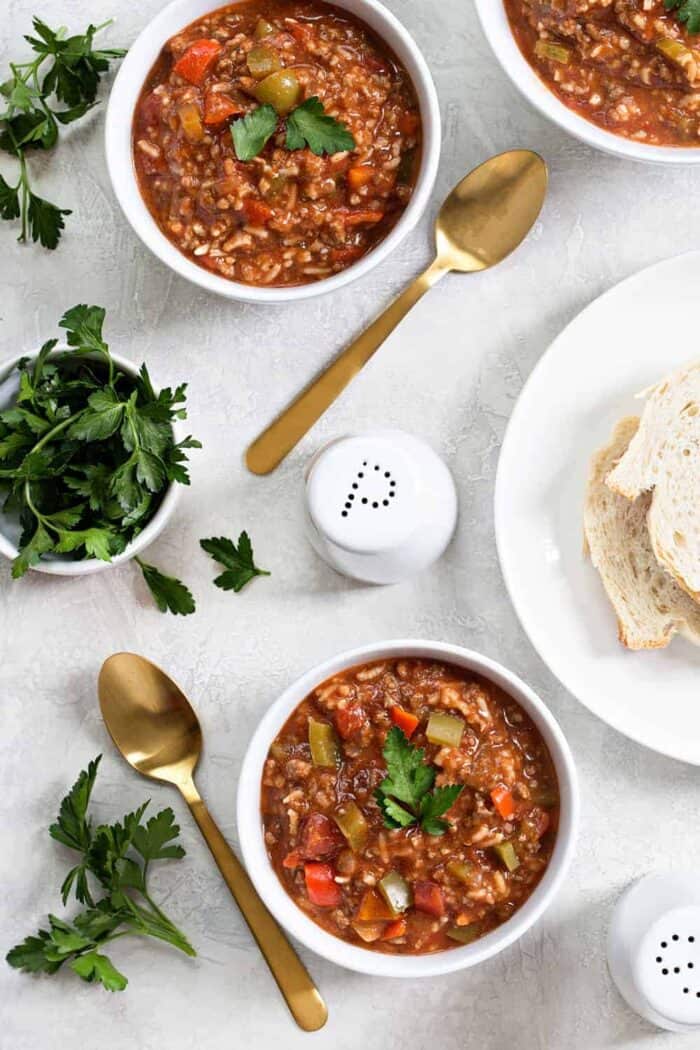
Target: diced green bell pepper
x=323 y=742
x=396 y=892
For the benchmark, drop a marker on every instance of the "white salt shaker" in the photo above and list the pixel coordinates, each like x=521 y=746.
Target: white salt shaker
x=654 y=949
x=380 y=506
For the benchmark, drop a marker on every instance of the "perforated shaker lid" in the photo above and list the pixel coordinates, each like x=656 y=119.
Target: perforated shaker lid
x=363 y=493
x=668 y=965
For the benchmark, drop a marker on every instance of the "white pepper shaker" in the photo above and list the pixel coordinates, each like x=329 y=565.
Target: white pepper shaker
x=380 y=506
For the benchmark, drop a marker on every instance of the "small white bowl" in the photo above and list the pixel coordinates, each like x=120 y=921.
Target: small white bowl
x=57 y=566
x=364 y=960
x=124 y=96
x=494 y=22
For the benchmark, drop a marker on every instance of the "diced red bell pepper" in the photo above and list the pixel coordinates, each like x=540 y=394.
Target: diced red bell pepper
x=194 y=63
x=428 y=897
x=407 y=722
x=257 y=212
x=397 y=928
x=219 y=107
x=503 y=801
x=320 y=885
x=349 y=719
x=320 y=837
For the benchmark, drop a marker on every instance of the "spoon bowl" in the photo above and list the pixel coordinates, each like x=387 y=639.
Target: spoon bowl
x=153 y=724
x=491 y=211
x=485 y=217
x=149 y=718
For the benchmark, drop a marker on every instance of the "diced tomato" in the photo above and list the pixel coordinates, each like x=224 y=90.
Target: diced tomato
x=346 y=255
x=397 y=928
x=292 y=860
x=373 y=908
x=349 y=719
x=218 y=108
x=408 y=123
x=321 y=888
x=428 y=897
x=362 y=218
x=359 y=176
x=407 y=722
x=320 y=837
x=257 y=212
x=301 y=33
x=195 y=62
x=150 y=109
x=503 y=801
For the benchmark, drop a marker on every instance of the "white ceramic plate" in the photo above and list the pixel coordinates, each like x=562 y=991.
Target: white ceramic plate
x=618 y=346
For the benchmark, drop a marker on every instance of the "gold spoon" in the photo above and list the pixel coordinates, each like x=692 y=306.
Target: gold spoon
x=482 y=221
x=154 y=726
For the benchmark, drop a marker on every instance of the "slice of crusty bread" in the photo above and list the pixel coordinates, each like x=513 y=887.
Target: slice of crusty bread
x=650 y=607
x=664 y=458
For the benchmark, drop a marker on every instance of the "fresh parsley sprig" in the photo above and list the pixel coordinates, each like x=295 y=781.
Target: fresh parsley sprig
x=307 y=125
x=114 y=864
x=407 y=795
x=237 y=560
x=87 y=452
x=687 y=11
x=67 y=69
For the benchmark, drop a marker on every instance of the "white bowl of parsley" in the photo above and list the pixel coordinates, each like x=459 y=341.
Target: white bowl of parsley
x=90 y=454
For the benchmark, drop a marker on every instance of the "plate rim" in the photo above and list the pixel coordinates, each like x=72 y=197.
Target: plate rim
x=530 y=629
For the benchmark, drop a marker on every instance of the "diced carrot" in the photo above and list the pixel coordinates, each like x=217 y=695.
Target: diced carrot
x=503 y=801
x=397 y=928
x=256 y=212
x=360 y=176
x=407 y=722
x=195 y=62
x=320 y=885
x=408 y=123
x=349 y=719
x=374 y=908
x=428 y=897
x=219 y=107
x=292 y=860
x=320 y=837
x=363 y=218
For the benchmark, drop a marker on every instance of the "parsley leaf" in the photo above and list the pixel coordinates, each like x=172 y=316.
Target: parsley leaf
x=169 y=593
x=687 y=11
x=238 y=560
x=309 y=125
x=116 y=856
x=69 y=71
x=405 y=796
x=252 y=132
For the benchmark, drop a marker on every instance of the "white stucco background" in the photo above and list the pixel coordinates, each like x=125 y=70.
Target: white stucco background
x=451 y=374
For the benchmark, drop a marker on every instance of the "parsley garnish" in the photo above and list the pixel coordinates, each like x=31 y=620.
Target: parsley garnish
x=115 y=858
x=71 y=76
x=238 y=561
x=406 y=795
x=307 y=125
x=687 y=11
x=252 y=132
x=170 y=595
x=87 y=452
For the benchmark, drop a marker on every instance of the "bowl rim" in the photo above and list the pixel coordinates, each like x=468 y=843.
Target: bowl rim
x=124 y=95
x=496 y=27
x=362 y=960
x=155 y=526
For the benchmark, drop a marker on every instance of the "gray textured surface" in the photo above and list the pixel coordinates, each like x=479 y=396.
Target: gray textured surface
x=452 y=374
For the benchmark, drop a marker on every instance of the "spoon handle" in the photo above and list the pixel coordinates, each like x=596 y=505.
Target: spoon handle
x=300 y=992
x=270 y=448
